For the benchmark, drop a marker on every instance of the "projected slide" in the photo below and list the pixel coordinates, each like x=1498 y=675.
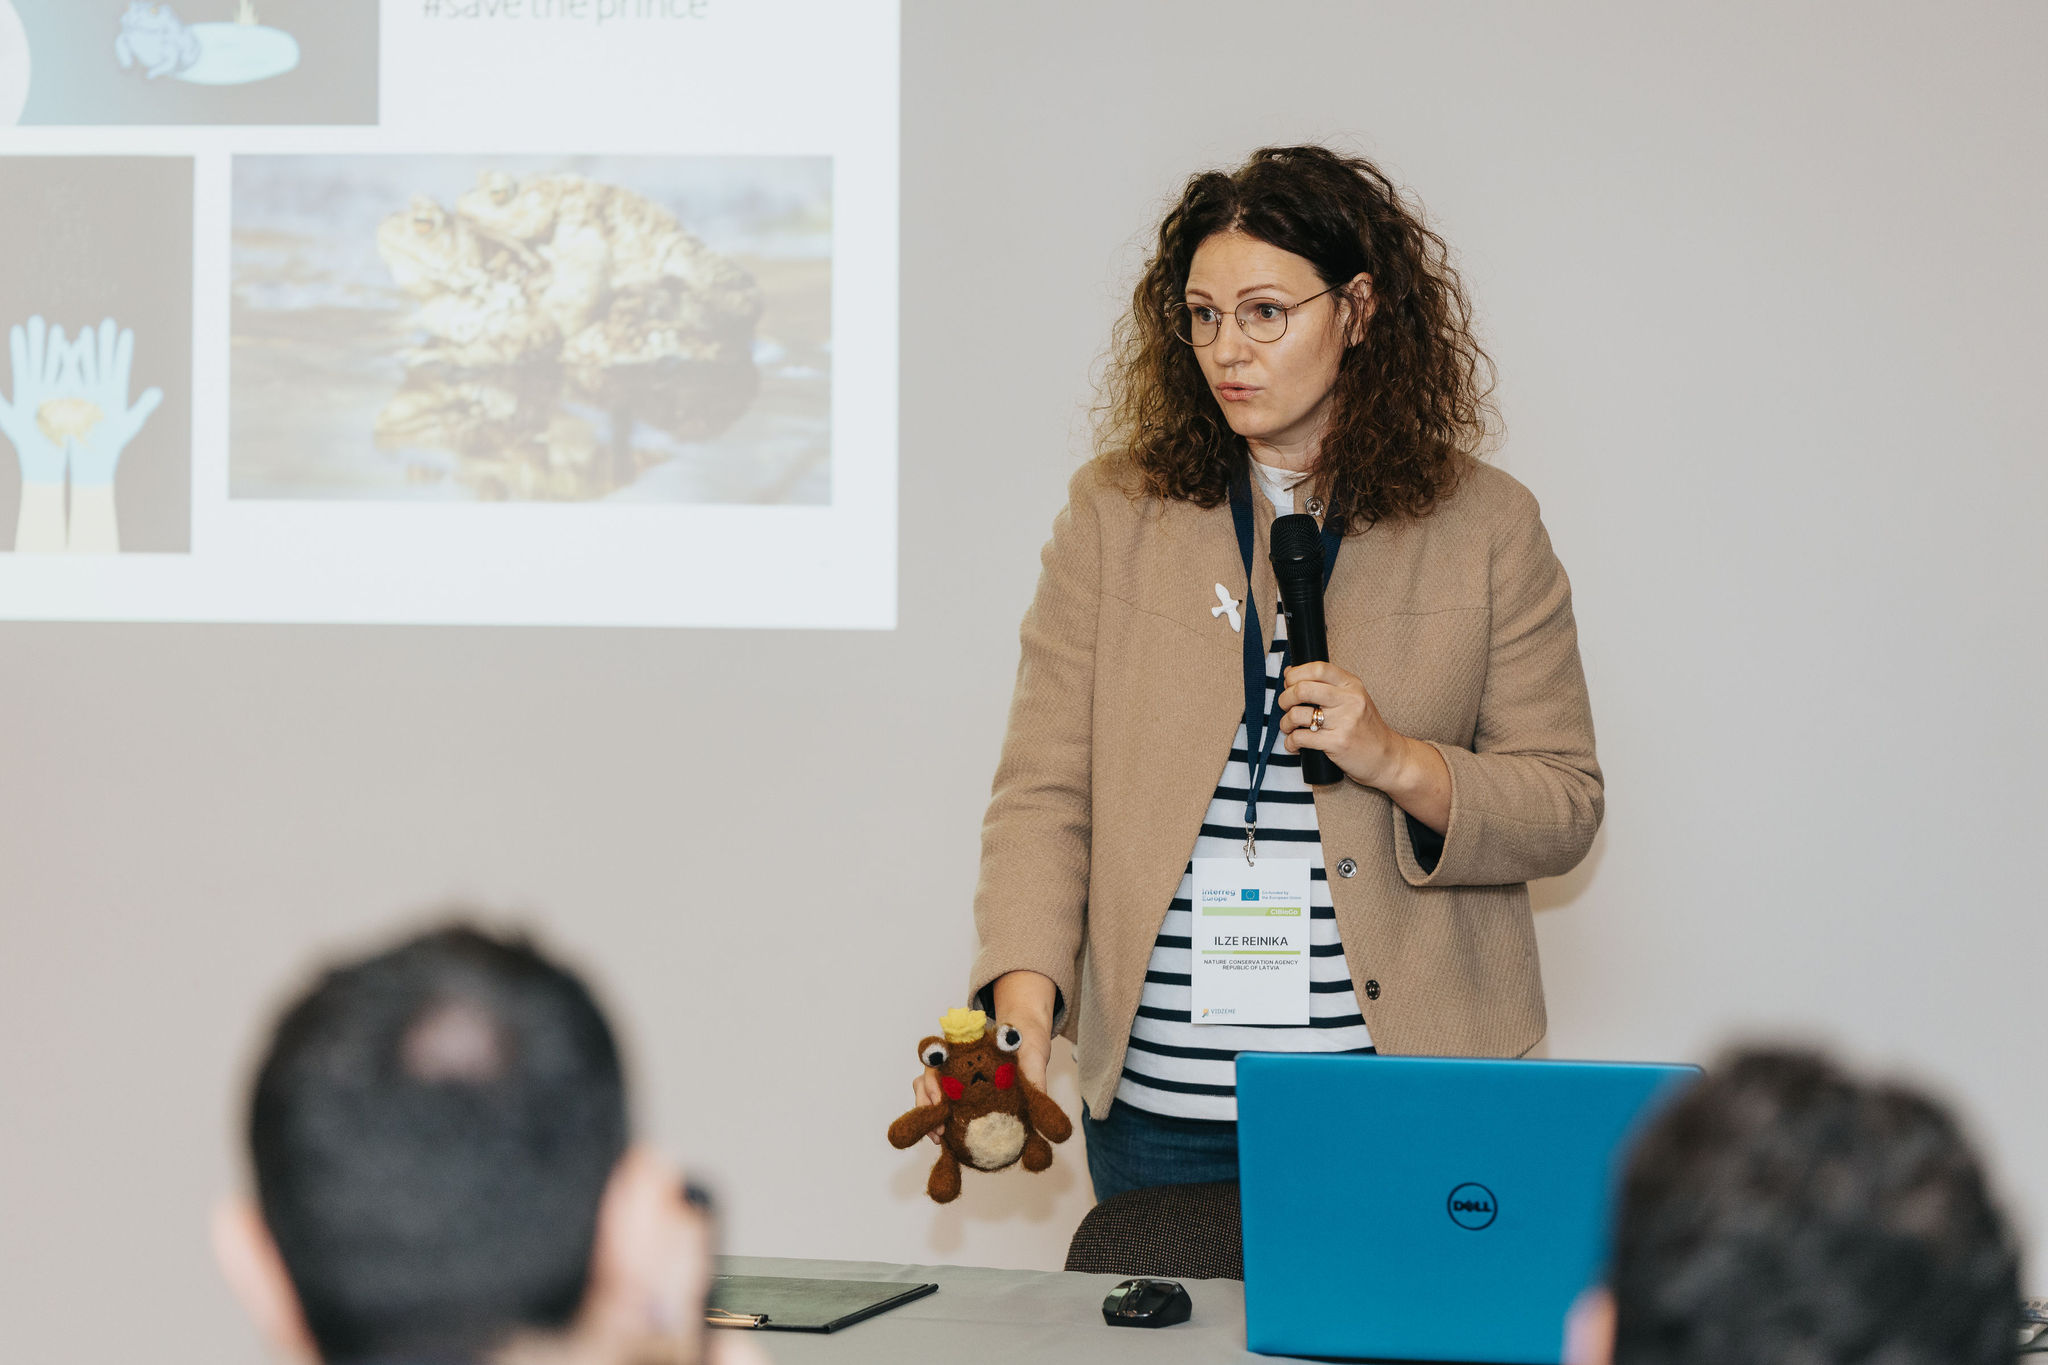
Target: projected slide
x=553 y=312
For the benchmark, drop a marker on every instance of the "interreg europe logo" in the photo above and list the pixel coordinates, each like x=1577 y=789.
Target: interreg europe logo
x=1250 y=893
x=1472 y=1206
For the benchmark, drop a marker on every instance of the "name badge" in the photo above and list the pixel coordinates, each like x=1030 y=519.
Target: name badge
x=1250 y=944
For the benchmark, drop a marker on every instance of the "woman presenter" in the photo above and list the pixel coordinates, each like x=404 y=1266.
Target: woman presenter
x=1158 y=880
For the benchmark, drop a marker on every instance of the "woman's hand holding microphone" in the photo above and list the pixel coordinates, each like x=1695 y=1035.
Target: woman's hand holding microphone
x=1024 y=1000
x=1359 y=741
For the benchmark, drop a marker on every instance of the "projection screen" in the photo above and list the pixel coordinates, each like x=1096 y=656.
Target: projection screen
x=449 y=311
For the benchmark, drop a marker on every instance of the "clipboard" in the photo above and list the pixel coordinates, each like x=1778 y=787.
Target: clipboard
x=771 y=1303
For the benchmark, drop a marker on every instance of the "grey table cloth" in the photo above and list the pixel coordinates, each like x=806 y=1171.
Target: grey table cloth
x=996 y=1317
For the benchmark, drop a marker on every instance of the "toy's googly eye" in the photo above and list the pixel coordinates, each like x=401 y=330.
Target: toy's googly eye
x=1008 y=1038
x=934 y=1054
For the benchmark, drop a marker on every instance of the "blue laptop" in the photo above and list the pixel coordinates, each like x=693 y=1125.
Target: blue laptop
x=1429 y=1208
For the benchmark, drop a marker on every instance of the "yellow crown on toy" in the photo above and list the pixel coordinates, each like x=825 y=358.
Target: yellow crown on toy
x=963 y=1026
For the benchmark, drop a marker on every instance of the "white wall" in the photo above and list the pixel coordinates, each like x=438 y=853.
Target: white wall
x=1766 y=291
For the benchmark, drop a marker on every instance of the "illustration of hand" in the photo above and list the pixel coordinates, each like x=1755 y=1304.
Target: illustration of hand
x=39 y=362
x=98 y=369
x=38 y=418
x=101 y=363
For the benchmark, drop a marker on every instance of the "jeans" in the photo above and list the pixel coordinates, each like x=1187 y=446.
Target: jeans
x=1134 y=1149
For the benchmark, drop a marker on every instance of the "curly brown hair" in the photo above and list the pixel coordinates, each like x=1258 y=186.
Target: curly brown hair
x=1412 y=396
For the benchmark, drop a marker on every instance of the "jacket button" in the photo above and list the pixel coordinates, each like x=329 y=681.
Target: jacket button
x=1347 y=868
x=1315 y=507
x=1372 y=990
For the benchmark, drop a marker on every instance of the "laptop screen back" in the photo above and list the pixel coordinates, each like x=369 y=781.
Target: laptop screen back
x=1424 y=1208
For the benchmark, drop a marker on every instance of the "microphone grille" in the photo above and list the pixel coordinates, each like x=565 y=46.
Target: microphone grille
x=1297 y=540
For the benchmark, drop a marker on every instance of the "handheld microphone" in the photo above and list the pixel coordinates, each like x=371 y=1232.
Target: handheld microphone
x=1298 y=564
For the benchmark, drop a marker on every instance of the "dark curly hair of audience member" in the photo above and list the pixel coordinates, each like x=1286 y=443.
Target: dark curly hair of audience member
x=1784 y=1213
x=1411 y=398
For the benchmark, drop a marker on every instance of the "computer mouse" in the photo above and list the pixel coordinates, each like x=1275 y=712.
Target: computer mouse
x=1147 y=1303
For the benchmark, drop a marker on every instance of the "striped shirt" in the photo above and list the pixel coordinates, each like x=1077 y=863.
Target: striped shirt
x=1175 y=1066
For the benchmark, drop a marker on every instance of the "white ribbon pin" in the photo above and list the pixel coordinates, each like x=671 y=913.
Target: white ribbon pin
x=1229 y=606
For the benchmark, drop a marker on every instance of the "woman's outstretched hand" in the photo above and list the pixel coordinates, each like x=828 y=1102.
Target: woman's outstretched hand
x=1024 y=1000
x=925 y=1090
x=1360 y=742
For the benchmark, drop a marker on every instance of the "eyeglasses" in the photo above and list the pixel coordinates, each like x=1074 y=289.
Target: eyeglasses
x=1260 y=319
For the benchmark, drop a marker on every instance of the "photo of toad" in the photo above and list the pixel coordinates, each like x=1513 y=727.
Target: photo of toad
x=527 y=329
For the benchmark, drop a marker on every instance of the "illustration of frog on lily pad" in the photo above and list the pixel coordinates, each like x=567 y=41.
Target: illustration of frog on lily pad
x=190 y=63
x=155 y=42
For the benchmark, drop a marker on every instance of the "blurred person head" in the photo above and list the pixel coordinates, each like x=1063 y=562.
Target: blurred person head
x=1783 y=1212
x=442 y=1162
x=1298 y=304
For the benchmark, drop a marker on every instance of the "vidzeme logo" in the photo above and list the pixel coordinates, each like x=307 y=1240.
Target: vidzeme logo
x=1472 y=1206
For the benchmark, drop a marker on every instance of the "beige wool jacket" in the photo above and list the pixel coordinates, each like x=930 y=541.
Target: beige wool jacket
x=1128 y=697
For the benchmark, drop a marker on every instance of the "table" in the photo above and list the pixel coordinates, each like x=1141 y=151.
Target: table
x=995 y=1317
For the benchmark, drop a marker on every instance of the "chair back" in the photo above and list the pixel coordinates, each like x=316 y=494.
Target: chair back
x=1174 y=1231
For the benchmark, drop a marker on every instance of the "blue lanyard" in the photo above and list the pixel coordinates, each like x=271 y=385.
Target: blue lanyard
x=1262 y=727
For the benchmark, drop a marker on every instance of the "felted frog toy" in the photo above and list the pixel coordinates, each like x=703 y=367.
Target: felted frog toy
x=991 y=1117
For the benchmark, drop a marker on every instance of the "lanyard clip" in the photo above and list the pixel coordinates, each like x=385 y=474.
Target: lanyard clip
x=1251 y=844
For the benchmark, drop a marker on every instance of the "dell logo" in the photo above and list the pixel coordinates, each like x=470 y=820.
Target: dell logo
x=1472 y=1206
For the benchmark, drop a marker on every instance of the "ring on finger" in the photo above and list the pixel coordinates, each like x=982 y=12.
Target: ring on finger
x=1315 y=720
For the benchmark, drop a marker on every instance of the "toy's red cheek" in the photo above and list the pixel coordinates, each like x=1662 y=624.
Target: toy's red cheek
x=951 y=1085
x=1006 y=1076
